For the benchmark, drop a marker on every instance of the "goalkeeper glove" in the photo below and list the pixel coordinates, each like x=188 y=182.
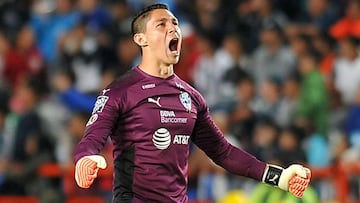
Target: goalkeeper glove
x=294 y=179
x=86 y=169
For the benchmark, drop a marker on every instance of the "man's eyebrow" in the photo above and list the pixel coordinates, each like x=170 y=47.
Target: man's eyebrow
x=166 y=19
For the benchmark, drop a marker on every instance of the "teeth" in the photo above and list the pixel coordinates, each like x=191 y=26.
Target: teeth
x=175 y=53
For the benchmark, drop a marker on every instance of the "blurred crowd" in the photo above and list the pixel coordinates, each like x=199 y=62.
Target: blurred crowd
x=281 y=78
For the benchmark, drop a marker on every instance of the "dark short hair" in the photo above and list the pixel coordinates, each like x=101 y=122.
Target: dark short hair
x=137 y=24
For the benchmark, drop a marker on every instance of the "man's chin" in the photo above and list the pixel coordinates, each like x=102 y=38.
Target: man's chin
x=174 y=60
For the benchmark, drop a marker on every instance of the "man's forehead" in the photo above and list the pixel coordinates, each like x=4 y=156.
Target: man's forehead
x=161 y=14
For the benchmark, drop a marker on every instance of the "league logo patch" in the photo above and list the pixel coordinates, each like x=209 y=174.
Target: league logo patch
x=100 y=104
x=92 y=119
x=185 y=100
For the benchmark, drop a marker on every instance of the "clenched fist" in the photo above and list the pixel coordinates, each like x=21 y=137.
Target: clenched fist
x=86 y=169
x=294 y=179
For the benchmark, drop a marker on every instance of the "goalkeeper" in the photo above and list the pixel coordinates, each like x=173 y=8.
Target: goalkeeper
x=152 y=115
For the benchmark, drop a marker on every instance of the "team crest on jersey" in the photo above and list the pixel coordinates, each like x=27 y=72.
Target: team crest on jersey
x=185 y=100
x=100 y=104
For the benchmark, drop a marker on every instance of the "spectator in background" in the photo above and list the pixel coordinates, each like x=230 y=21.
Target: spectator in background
x=349 y=25
x=24 y=59
x=272 y=59
x=210 y=70
x=264 y=140
x=352 y=126
x=233 y=45
x=120 y=18
x=300 y=44
x=54 y=119
x=71 y=97
x=106 y=50
x=292 y=8
x=238 y=20
x=262 y=12
x=313 y=100
x=289 y=102
x=30 y=147
x=347 y=69
x=4 y=48
x=318 y=17
x=338 y=146
x=94 y=15
x=267 y=104
x=265 y=12
x=13 y=16
x=4 y=110
x=49 y=24
x=242 y=117
x=76 y=126
x=313 y=107
x=208 y=17
x=325 y=46
x=126 y=54
x=26 y=98
x=213 y=182
x=289 y=146
x=79 y=55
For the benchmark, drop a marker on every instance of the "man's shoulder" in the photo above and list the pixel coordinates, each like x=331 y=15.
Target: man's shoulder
x=120 y=91
x=125 y=81
x=185 y=85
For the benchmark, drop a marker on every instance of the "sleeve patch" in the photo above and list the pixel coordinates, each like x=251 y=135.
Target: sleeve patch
x=100 y=104
x=92 y=119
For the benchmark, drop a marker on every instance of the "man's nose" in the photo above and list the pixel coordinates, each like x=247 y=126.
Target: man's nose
x=171 y=29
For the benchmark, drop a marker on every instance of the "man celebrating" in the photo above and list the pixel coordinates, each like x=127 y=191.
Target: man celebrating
x=152 y=115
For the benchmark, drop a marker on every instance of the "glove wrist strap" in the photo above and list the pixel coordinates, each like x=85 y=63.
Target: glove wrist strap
x=272 y=175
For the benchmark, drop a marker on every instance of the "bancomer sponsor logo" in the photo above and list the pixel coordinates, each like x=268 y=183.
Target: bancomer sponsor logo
x=170 y=117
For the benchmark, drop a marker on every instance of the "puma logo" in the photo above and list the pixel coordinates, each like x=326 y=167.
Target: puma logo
x=157 y=101
x=273 y=179
x=105 y=90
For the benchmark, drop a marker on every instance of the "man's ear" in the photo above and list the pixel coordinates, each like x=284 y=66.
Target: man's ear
x=140 y=39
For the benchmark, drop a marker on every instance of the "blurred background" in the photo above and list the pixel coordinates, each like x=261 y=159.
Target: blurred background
x=281 y=77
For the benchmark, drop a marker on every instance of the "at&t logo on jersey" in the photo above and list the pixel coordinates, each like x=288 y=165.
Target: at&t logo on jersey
x=181 y=139
x=162 y=139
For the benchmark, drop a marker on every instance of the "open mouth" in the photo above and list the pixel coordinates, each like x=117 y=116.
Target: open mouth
x=173 y=45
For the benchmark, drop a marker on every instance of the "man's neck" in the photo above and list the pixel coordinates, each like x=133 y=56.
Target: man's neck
x=156 y=68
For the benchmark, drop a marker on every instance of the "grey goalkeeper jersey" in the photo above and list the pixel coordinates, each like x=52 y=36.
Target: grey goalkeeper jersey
x=151 y=122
